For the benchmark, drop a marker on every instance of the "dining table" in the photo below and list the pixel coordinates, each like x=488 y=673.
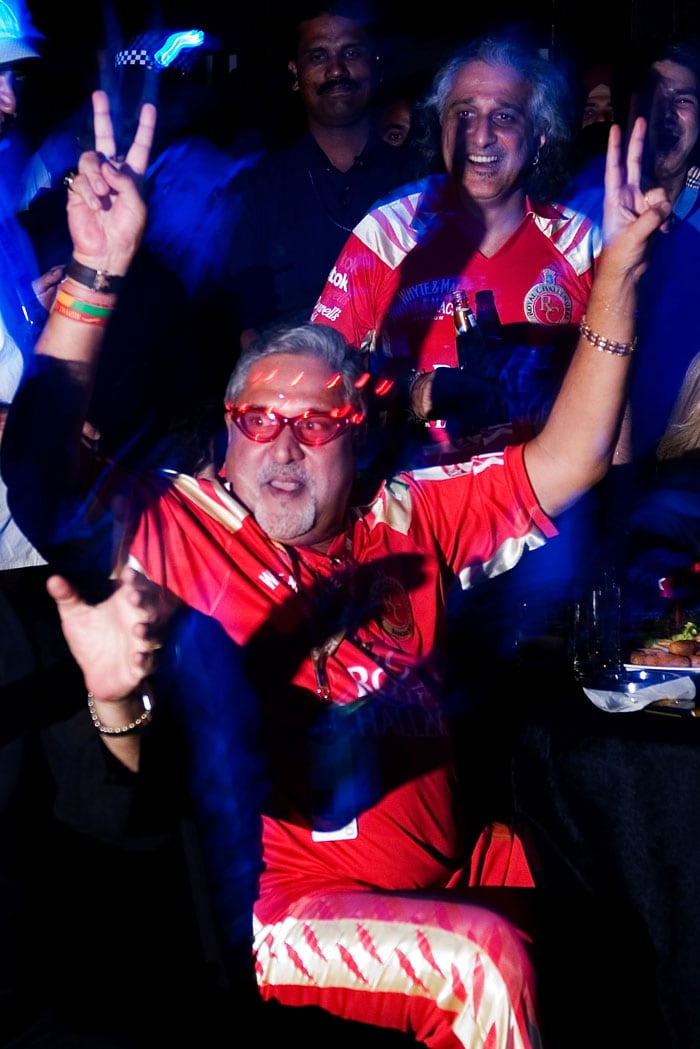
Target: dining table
x=608 y=804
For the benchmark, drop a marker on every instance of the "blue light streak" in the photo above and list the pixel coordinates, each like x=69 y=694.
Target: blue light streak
x=176 y=43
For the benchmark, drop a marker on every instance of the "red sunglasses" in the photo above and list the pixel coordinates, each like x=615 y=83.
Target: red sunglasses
x=310 y=427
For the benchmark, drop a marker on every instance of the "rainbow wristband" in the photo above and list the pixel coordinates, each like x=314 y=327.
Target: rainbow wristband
x=76 y=315
x=89 y=308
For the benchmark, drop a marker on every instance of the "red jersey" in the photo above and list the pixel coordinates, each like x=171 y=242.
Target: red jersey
x=345 y=651
x=391 y=285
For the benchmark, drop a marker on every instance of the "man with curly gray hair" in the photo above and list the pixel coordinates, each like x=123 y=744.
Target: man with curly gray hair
x=489 y=223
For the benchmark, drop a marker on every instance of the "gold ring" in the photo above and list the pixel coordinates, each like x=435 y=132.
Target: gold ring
x=68 y=179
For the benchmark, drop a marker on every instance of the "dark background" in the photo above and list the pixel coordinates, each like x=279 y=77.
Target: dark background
x=250 y=70
x=248 y=28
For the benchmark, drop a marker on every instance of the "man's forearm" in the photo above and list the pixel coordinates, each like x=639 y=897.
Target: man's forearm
x=76 y=325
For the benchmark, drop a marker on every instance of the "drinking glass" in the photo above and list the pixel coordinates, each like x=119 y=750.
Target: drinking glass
x=596 y=628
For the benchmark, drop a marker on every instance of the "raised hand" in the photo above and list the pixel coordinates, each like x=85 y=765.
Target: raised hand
x=106 y=213
x=115 y=642
x=630 y=215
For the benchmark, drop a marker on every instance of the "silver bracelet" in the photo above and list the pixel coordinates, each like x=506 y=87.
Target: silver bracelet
x=133 y=726
x=618 y=349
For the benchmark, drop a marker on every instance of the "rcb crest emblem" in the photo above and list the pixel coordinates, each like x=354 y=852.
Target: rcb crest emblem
x=547 y=302
x=393 y=607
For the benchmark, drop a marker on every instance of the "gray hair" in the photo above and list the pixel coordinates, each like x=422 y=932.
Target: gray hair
x=551 y=102
x=314 y=340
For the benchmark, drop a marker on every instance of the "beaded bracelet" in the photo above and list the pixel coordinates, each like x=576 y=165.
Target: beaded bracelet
x=618 y=349
x=133 y=726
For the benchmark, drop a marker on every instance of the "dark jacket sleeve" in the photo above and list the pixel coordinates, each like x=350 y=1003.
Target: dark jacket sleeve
x=55 y=486
x=100 y=798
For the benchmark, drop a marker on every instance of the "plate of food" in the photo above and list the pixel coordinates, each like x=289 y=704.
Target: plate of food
x=680 y=651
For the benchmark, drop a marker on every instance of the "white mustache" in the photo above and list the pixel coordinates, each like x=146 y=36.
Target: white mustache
x=287 y=472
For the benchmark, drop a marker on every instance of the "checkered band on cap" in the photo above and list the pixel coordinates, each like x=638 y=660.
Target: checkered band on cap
x=135 y=56
x=141 y=50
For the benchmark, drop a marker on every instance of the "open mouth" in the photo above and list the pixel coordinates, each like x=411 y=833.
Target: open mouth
x=481 y=161
x=284 y=485
x=666 y=140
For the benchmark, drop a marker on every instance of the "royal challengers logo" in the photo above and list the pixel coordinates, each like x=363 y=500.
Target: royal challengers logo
x=394 y=608
x=547 y=302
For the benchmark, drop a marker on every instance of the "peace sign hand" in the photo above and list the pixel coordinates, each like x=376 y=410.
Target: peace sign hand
x=630 y=215
x=106 y=213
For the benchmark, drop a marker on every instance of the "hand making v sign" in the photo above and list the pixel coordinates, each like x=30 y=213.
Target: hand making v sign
x=106 y=213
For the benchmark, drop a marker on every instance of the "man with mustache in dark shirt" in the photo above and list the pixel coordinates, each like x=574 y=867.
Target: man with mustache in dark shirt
x=305 y=198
